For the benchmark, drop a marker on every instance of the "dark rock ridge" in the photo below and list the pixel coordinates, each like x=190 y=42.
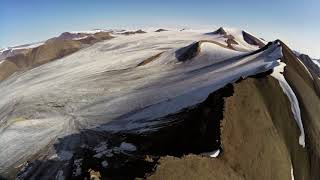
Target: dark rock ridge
x=160 y=30
x=252 y=40
x=259 y=139
x=307 y=91
x=310 y=64
x=188 y=52
x=219 y=31
x=134 y=32
x=191 y=51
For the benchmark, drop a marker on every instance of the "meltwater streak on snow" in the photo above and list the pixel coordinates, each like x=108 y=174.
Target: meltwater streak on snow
x=101 y=86
x=277 y=73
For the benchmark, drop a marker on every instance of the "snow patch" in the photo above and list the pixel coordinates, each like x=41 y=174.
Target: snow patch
x=102 y=150
x=77 y=167
x=102 y=147
x=26 y=46
x=62 y=156
x=65 y=155
x=60 y=175
x=79 y=38
x=127 y=147
x=278 y=74
x=104 y=164
x=213 y=154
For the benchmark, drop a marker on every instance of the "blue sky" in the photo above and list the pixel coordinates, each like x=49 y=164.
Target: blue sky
x=293 y=21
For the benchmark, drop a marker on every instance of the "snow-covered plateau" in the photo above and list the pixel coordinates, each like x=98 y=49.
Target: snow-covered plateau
x=125 y=84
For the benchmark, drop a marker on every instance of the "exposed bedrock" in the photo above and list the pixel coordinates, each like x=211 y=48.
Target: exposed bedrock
x=259 y=138
x=250 y=39
x=310 y=64
x=192 y=50
x=247 y=37
x=133 y=32
x=307 y=92
x=160 y=30
x=259 y=135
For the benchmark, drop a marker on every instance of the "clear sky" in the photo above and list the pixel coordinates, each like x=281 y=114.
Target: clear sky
x=296 y=22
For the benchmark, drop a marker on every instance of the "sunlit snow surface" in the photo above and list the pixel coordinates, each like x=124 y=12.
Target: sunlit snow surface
x=101 y=88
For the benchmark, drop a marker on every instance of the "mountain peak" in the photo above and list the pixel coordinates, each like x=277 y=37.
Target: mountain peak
x=220 y=31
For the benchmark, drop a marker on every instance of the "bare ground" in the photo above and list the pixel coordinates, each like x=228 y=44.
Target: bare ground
x=259 y=140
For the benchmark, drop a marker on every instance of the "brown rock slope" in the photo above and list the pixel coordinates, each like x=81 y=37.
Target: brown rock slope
x=259 y=140
x=307 y=92
x=194 y=167
x=252 y=40
x=313 y=69
x=230 y=40
x=259 y=135
x=52 y=49
x=7 y=68
x=310 y=64
x=248 y=38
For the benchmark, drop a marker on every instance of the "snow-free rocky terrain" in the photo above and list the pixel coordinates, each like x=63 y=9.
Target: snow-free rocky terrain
x=160 y=104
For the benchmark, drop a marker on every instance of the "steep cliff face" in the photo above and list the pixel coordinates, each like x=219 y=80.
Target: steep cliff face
x=259 y=139
x=310 y=64
x=272 y=143
x=307 y=91
x=259 y=135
